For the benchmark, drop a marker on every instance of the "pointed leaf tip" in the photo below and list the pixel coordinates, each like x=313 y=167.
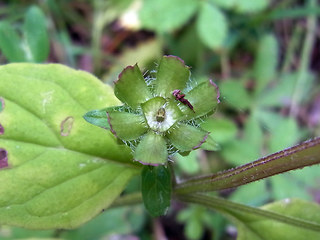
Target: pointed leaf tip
x=210 y=144
x=98 y=118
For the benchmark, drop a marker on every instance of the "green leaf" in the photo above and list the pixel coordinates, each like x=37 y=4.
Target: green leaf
x=212 y=25
x=249 y=148
x=285 y=134
x=126 y=126
x=152 y=150
x=253 y=134
x=166 y=15
x=188 y=164
x=98 y=118
x=156 y=189
x=143 y=53
x=239 y=152
x=210 y=144
x=10 y=43
x=221 y=130
x=269 y=119
x=63 y=171
x=1 y=104
x=253 y=194
x=172 y=74
x=36 y=35
x=235 y=94
x=204 y=98
x=186 y=137
x=243 y=6
x=131 y=87
x=282 y=94
x=120 y=221
x=301 y=184
x=227 y=4
x=287 y=186
x=296 y=208
x=194 y=229
x=249 y=6
x=13 y=233
x=266 y=62
x=194 y=220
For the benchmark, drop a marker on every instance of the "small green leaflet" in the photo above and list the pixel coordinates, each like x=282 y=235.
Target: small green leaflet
x=156 y=189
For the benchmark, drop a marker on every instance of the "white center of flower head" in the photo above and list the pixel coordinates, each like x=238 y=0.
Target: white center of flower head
x=160 y=114
x=161 y=120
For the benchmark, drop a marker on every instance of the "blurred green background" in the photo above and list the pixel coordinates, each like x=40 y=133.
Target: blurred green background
x=264 y=55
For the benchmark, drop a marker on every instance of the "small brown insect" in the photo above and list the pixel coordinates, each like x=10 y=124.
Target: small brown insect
x=180 y=97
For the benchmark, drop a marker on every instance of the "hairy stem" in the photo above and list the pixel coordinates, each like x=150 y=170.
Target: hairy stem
x=299 y=156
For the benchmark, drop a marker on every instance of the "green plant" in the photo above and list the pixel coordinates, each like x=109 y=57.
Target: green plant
x=59 y=171
x=28 y=42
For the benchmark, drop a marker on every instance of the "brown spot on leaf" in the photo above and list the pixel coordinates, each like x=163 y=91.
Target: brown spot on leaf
x=66 y=126
x=3 y=158
x=1 y=129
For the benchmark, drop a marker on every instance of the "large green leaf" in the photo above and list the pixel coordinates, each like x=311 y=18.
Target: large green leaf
x=235 y=94
x=62 y=170
x=249 y=6
x=166 y=15
x=212 y=25
x=35 y=34
x=227 y=4
x=222 y=130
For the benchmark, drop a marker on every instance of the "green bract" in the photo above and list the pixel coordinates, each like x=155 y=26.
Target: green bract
x=161 y=113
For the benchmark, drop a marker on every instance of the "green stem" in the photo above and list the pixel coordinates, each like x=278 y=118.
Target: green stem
x=60 y=32
x=231 y=208
x=293 y=13
x=98 y=24
x=305 y=59
x=299 y=156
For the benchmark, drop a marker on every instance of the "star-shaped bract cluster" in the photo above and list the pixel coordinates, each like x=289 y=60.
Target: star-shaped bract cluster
x=159 y=115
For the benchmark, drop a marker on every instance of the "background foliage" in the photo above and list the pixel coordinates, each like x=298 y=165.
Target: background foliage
x=263 y=54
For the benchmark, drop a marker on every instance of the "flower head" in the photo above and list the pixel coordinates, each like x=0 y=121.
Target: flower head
x=160 y=115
